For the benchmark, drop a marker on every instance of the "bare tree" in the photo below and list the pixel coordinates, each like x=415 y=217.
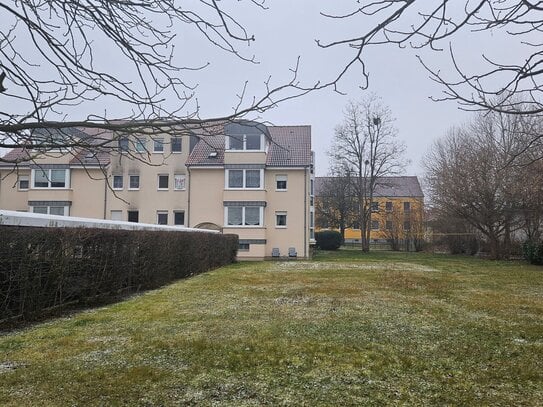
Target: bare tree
x=477 y=173
x=335 y=205
x=55 y=55
x=435 y=25
x=366 y=144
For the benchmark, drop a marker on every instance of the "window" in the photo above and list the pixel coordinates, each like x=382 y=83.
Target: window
x=251 y=142
x=162 y=217
x=51 y=210
x=235 y=143
x=134 y=182
x=133 y=216
x=140 y=145
x=280 y=219
x=40 y=209
x=176 y=144
x=56 y=210
x=374 y=225
x=116 y=215
x=407 y=225
x=178 y=217
x=246 y=179
x=375 y=206
x=179 y=182
x=163 y=181
x=158 y=145
x=243 y=247
x=51 y=178
x=123 y=144
x=117 y=182
x=389 y=206
x=244 y=215
x=280 y=182
x=23 y=182
x=312 y=187
x=388 y=225
x=407 y=206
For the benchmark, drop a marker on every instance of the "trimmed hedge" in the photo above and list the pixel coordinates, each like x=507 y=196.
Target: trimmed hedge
x=328 y=239
x=533 y=252
x=47 y=268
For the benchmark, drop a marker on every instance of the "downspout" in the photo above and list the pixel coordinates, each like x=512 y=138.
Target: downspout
x=105 y=196
x=306 y=242
x=188 y=198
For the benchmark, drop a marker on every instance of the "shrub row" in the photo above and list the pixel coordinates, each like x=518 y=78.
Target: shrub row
x=44 y=268
x=533 y=252
x=328 y=239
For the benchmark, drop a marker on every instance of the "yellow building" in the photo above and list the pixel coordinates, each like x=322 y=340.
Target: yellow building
x=397 y=211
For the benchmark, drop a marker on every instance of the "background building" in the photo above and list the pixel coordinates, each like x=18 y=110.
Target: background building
x=397 y=210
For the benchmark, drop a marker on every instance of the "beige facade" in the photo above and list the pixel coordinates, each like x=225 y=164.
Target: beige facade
x=194 y=187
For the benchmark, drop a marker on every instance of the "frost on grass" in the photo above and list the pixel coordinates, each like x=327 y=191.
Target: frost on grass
x=389 y=266
x=9 y=366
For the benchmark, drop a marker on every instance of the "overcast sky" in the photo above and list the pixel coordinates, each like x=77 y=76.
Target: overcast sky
x=288 y=30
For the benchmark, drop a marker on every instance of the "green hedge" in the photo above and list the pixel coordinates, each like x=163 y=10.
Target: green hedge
x=533 y=252
x=328 y=239
x=46 y=268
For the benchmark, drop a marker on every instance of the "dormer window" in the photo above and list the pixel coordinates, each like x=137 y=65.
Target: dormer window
x=246 y=142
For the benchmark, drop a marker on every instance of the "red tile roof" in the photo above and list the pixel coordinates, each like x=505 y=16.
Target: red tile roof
x=290 y=146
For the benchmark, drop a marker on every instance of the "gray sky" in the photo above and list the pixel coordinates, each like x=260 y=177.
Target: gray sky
x=288 y=30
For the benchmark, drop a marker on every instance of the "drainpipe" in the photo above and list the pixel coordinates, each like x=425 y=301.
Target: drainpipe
x=188 y=197
x=105 y=196
x=305 y=213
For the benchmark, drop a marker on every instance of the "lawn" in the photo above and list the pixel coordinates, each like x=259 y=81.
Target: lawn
x=343 y=329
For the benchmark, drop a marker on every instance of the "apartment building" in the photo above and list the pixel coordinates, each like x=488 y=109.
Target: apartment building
x=247 y=179
x=397 y=210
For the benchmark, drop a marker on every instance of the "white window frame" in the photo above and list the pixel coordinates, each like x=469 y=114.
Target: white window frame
x=171 y=144
x=243 y=225
x=279 y=178
x=158 y=213
x=160 y=140
x=158 y=182
x=66 y=209
x=130 y=183
x=113 y=182
x=227 y=179
x=133 y=211
x=23 y=178
x=244 y=149
x=281 y=213
x=184 y=176
x=117 y=211
x=140 y=145
x=184 y=217
x=66 y=178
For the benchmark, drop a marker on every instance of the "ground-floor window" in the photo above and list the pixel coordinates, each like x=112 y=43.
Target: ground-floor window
x=116 y=215
x=243 y=247
x=162 y=217
x=133 y=216
x=52 y=210
x=244 y=215
x=178 y=217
